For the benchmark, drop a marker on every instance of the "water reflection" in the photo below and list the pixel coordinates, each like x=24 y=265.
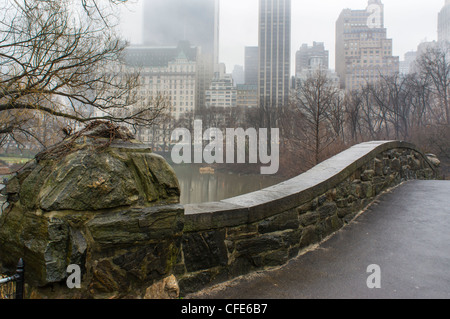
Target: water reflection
x=202 y=188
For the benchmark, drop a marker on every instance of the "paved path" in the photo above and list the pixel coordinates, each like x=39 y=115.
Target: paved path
x=406 y=233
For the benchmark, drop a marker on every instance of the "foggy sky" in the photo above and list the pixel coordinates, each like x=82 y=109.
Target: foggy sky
x=408 y=22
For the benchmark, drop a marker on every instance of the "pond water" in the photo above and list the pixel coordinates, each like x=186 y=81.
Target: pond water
x=203 y=188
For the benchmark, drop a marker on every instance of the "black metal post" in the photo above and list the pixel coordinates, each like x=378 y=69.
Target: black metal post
x=20 y=282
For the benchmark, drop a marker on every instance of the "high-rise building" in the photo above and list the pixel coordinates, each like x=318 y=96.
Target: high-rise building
x=251 y=65
x=311 y=57
x=407 y=65
x=167 y=22
x=167 y=72
x=140 y=56
x=222 y=92
x=238 y=74
x=363 y=51
x=169 y=66
x=247 y=95
x=444 y=23
x=274 y=52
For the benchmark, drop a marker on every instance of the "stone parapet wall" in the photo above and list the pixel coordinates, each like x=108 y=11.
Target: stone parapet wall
x=267 y=228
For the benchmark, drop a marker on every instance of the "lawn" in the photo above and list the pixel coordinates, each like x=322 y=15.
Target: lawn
x=14 y=160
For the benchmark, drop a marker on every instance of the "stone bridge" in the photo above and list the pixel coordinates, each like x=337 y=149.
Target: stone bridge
x=267 y=228
x=144 y=244
x=404 y=234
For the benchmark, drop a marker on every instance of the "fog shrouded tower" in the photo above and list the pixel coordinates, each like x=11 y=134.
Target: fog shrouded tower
x=444 y=23
x=167 y=22
x=274 y=52
x=251 y=65
x=364 y=54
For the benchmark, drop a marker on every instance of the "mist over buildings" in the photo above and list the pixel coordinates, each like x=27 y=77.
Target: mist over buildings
x=166 y=22
x=312 y=21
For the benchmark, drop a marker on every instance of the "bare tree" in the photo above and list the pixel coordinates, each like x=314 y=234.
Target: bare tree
x=393 y=97
x=435 y=63
x=421 y=101
x=375 y=114
x=63 y=60
x=337 y=115
x=353 y=104
x=314 y=99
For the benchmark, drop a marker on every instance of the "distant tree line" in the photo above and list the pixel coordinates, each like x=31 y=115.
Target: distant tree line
x=321 y=120
x=60 y=68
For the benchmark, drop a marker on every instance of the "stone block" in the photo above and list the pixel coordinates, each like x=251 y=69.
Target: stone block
x=309 y=218
x=164 y=289
x=283 y=221
x=258 y=245
x=342 y=203
x=378 y=167
x=123 y=228
x=195 y=281
x=366 y=190
x=327 y=210
x=309 y=237
x=106 y=278
x=292 y=238
x=367 y=175
x=204 y=250
x=329 y=226
x=395 y=165
x=343 y=212
x=275 y=258
x=308 y=206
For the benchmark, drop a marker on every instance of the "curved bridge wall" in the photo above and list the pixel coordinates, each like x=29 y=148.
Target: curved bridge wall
x=233 y=237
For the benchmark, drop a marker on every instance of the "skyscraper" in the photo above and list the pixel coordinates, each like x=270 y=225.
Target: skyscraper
x=251 y=65
x=167 y=22
x=363 y=51
x=311 y=57
x=444 y=23
x=274 y=52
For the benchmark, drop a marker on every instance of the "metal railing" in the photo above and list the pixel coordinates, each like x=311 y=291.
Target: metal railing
x=13 y=287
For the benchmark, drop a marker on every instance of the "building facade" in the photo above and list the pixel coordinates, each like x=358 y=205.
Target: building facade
x=167 y=22
x=311 y=60
x=251 y=65
x=274 y=52
x=222 y=92
x=172 y=71
x=311 y=57
x=247 y=95
x=168 y=72
x=444 y=23
x=363 y=51
x=238 y=74
x=407 y=65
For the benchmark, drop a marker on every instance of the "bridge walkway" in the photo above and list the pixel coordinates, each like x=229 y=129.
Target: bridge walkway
x=406 y=233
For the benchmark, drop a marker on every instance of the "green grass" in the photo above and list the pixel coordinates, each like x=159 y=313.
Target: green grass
x=14 y=160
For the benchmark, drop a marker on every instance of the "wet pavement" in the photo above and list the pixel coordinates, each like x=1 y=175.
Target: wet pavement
x=405 y=234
